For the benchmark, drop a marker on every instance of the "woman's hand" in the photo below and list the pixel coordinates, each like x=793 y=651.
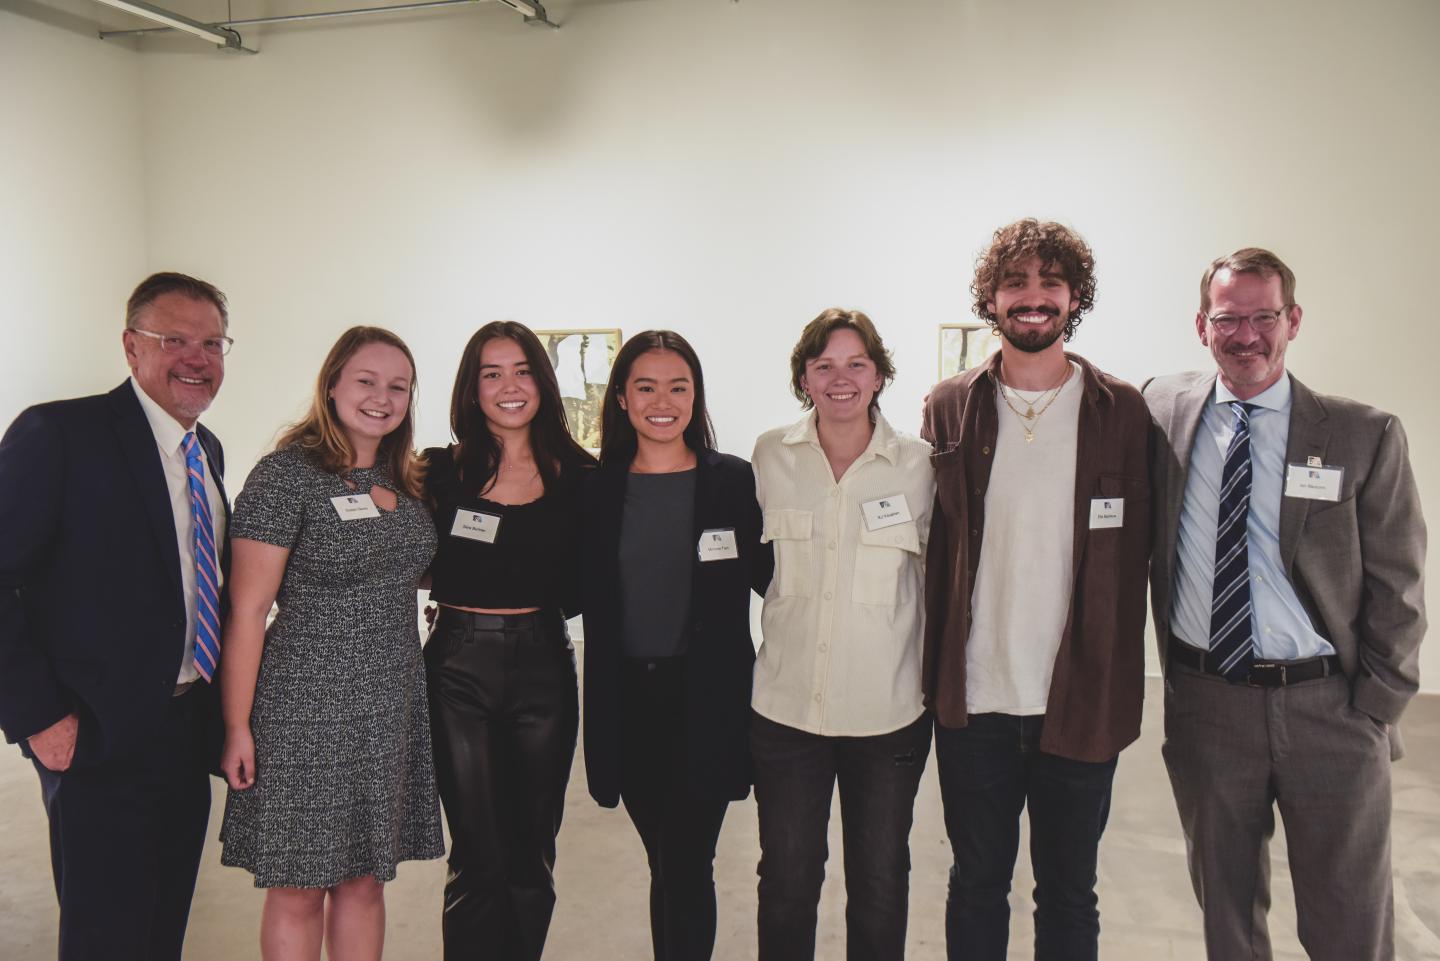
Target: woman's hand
x=237 y=761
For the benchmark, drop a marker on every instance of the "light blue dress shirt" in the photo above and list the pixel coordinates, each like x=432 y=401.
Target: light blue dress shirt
x=1283 y=631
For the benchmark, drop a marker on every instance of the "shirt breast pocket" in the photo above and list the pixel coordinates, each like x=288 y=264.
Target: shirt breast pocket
x=789 y=531
x=881 y=559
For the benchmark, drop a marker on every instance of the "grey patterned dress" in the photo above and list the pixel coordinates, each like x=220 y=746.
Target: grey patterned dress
x=344 y=784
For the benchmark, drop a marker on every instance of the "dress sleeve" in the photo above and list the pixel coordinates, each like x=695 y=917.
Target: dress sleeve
x=271 y=507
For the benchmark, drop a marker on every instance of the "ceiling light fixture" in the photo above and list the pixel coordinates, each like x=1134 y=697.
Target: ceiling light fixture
x=519 y=6
x=221 y=36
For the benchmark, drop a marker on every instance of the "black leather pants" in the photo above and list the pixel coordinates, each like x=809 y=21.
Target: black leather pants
x=504 y=711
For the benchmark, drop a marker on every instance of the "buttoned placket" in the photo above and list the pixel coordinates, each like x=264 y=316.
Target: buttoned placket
x=831 y=520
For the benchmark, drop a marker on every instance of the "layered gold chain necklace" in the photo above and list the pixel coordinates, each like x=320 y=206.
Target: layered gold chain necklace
x=1030 y=419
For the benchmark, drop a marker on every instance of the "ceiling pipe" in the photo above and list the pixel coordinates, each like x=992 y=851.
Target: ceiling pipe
x=538 y=16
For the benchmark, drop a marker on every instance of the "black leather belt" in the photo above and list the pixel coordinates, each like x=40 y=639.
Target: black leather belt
x=1262 y=673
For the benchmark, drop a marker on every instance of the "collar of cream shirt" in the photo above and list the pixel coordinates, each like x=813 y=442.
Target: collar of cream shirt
x=168 y=431
x=883 y=441
x=1276 y=397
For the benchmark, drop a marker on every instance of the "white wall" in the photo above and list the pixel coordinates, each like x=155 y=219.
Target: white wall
x=729 y=169
x=72 y=202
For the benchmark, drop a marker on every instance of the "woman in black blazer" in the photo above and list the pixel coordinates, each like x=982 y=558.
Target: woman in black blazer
x=671 y=552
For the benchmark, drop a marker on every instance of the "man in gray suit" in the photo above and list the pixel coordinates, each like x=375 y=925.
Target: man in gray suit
x=1287 y=589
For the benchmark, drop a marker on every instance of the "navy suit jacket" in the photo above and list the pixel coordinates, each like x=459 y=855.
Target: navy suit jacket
x=92 y=615
x=720 y=657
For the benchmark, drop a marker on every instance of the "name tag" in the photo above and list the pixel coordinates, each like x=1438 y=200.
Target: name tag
x=885 y=512
x=475 y=526
x=1314 y=482
x=718 y=545
x=354 y=507
x=1107 y=512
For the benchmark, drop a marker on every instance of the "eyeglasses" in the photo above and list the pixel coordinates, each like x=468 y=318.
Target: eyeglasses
x=1262 y=321
x=174 y=344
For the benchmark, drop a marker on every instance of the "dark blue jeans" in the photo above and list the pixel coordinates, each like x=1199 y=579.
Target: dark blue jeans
x=795 y=778
x=989 y=771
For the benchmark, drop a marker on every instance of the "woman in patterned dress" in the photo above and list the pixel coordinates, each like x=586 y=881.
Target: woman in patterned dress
x=327 y=747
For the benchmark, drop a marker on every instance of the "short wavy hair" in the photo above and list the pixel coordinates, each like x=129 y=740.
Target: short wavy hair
x=816 y=336
x=1056 y=245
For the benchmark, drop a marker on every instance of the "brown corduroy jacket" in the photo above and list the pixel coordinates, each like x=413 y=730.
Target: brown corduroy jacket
x=1096 y=690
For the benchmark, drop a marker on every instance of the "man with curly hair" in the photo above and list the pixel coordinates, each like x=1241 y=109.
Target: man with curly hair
x=1289 y=608
x=1035 y=598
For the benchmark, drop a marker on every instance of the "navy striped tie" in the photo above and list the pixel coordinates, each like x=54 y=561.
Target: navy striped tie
x=1232 y=642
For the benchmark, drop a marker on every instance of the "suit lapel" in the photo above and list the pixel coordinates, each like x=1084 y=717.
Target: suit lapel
x=142 y=457
x=1184 y=423
x=610 y=480
x=1309 y=436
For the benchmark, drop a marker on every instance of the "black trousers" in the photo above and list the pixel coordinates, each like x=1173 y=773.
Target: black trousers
x=678 y=827
x=795 y=778
x=125 y=843
x=504 y=712
x=990 y=770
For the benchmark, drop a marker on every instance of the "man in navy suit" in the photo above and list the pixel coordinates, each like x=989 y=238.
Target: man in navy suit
x=114 y=519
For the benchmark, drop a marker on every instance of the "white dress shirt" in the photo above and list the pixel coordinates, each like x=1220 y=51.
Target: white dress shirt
x=842 y=622
x=169 y=435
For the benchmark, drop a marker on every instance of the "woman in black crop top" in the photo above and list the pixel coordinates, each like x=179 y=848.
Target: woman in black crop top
x=672 y=550
x=500 y=668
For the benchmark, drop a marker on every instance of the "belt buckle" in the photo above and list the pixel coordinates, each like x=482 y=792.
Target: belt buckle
x=1266 y=674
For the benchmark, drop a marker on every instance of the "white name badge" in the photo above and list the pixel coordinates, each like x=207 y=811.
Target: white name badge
x=1107 y=512
x=718 y=545
x=475 y=526
x=354 y=507
x=885 y=512
x=1313 y=482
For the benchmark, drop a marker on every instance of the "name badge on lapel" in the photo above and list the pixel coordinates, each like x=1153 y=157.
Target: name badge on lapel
x=1314 y=481
x=354 y=507
x=885 y=512
x=476 y=526
x=1107 y=512
x=718 y=545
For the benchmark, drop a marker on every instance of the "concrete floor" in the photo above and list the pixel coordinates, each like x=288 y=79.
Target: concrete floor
x=1147 y=910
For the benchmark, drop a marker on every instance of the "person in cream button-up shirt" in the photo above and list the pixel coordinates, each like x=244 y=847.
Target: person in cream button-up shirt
x=836 y=695
x=842 y=618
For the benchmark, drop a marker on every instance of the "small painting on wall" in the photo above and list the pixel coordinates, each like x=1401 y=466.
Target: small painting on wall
x=963 y=346
x=582 y=360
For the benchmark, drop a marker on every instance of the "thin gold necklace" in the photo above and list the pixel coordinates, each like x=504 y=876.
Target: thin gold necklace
x=1031 y=414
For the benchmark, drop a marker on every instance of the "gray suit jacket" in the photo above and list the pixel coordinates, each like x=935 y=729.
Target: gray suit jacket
x=1358 y=565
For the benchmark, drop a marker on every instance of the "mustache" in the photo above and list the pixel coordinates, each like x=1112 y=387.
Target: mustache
x=1049 y=309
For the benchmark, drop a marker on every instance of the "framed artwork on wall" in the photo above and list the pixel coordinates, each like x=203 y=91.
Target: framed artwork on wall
x=963 y=346
x=582 y=360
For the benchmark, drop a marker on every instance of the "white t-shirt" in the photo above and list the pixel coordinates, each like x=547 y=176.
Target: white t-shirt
x=1027 y=558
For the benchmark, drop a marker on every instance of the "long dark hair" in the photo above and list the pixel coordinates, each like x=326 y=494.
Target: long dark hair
x=617 y=434
x=479 y=456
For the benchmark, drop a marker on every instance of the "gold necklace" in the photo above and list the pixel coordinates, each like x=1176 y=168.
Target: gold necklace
x=1031 y=414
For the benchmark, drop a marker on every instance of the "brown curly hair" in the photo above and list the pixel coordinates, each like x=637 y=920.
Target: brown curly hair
x=1056 y=245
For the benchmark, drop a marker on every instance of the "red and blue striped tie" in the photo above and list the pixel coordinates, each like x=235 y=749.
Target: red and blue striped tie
x=207 y=596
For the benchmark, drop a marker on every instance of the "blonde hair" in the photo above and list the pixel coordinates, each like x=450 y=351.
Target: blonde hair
x=321 y=432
